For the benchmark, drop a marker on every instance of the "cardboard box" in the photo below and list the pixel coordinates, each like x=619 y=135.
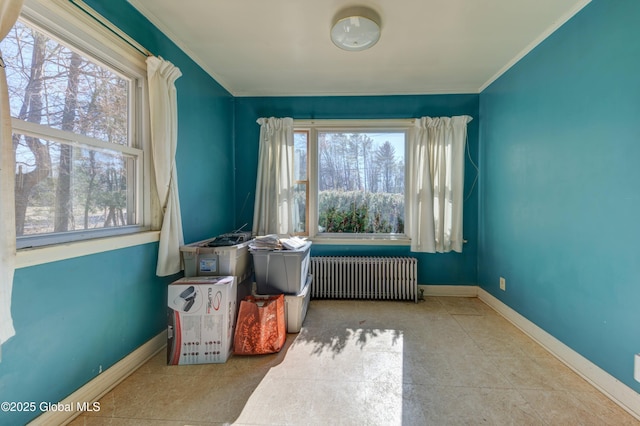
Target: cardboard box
x=201 y=314
x=201 y=260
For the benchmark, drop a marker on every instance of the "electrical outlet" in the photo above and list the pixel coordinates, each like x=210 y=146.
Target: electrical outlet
x=503 y=284
x=636 y=368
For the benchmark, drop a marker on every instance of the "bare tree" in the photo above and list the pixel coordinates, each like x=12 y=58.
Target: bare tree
x=367 y=143
x=385 y=157
x=354 y=147
x=64 y=205
x=31 y=111
x=114 y=182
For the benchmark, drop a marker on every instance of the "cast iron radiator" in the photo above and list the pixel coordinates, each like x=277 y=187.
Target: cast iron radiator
x=354 y=277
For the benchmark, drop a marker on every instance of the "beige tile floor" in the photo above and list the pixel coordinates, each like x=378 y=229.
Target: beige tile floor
x=443 y=361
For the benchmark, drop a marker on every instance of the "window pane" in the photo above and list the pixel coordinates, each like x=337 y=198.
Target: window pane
x=300 y=211
x=361 y=182
x=63 y=188
x=300 y=140
x=50 y=84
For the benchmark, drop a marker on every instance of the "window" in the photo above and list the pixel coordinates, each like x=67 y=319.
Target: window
x=356 y=182
x=76 y=100
x=301 y=181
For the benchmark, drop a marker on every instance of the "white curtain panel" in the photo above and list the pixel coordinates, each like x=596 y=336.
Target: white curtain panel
x=164 y=139
x=419 y=223
x=436 y=186
x=274 y=204
x=9 y=12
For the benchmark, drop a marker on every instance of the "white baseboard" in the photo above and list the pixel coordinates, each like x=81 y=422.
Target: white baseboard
x=617 y=391
x=449 y=290
x=103 y=383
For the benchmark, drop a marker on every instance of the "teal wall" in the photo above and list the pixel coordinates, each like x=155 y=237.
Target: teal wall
x=73 y=317
x=449 y=268
x=560 y=194
x=557 y=142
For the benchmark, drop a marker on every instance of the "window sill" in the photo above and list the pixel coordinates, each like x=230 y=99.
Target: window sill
x=362 y=241
x=40 y=255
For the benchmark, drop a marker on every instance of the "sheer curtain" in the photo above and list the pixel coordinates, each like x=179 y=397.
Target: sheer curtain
x=274 y=205
x=435 y=191
x=164 y=139
x=9 y=12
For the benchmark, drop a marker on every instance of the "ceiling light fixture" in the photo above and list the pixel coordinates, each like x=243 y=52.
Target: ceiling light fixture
x=355 y=28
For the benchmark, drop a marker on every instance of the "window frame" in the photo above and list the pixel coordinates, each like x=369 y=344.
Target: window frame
x=304 y=182
x=347 y=126
x=83 y=30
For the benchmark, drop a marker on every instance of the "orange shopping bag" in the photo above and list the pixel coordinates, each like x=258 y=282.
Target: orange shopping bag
x=260 y=328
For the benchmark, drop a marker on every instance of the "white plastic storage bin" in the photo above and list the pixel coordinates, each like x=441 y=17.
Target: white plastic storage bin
x=281 y=271
x=295 y=307
x=201 y=260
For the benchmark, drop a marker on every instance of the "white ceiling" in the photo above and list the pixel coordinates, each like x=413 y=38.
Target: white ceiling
x=282 y=47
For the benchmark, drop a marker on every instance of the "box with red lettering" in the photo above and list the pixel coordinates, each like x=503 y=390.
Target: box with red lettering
x=201 y=317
